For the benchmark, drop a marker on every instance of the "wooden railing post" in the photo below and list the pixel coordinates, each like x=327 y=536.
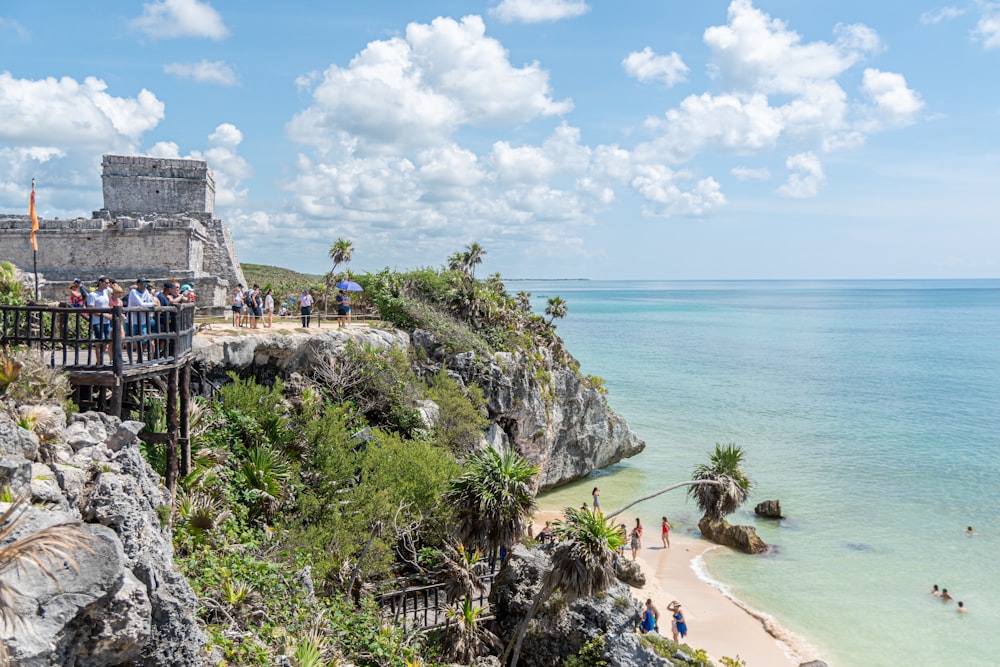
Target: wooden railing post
x=117 y=363
x=172 y=432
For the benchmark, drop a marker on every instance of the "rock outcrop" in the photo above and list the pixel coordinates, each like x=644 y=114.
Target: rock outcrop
x=741 y=538
x=769 y=509
x=124 y=603
x=544 y=410
x=559 y=630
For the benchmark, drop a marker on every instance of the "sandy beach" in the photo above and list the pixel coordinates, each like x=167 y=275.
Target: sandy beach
x=715 y=622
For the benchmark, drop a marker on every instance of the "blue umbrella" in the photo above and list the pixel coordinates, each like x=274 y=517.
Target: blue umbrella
x=350 y=286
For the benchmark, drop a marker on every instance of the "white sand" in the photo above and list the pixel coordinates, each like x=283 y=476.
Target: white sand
x=715 y=623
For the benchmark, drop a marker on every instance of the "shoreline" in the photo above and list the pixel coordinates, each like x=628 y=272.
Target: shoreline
x=718 y=622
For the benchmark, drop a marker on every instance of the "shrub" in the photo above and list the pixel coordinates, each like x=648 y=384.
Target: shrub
x=460 y=422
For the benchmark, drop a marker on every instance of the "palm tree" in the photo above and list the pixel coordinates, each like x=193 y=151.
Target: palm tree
x=456 y=261
x=464 y=637
x=473 y=257
x=493 y=499
x=556 y=308
x=582 y=565
x=340 y=253
x=523 y=300
x=733 y=487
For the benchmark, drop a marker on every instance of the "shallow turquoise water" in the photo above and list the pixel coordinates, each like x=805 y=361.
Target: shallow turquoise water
x=871 y=409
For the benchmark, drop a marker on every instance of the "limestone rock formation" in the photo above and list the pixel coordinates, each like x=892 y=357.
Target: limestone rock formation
x=741 y=538
x=551 y=417
x=126 y=603
x=770 y=509
x=559 y=630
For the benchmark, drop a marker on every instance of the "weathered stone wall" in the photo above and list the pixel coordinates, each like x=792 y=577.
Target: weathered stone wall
x=154 y=185
x=157 y=223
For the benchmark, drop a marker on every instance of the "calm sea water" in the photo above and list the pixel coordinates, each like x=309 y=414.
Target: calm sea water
x=871 y=409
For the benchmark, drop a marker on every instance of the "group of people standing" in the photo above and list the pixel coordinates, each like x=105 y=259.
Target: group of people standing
x=651 y=620
x=107 y=293
x=252 y=304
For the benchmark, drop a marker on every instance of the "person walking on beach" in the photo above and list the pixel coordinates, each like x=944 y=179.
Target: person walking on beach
x=636 y=542
x=665 y=533
x=624 y=529
x=596 y=493
x=678 y=626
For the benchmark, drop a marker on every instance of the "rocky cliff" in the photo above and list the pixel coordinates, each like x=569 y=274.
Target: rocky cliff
x=123 y=603
x=543 y=409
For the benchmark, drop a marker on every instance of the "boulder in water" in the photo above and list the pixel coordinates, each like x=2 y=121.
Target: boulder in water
x=770 y=509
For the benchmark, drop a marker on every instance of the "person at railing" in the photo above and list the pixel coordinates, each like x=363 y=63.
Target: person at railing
x=77 y=299
x=117 y=294
x=100 y=323
x=140 y=297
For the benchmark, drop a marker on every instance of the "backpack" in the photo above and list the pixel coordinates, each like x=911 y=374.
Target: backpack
x=250 y=299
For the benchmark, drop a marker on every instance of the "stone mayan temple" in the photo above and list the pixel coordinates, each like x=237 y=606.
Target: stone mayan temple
x=158 y=222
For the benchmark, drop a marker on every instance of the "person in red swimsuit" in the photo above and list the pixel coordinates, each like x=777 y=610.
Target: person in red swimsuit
x=665 y=532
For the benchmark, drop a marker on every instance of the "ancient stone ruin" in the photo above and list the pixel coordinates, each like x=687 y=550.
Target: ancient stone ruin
x=158 y=222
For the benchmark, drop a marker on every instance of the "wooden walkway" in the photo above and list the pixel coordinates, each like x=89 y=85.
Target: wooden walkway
x=110 y=356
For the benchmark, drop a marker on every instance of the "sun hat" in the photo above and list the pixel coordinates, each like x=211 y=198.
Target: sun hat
x=185 y=288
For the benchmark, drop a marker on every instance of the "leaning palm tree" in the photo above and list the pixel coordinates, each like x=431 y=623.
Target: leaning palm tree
x=52 y=545
x=582 y=565
x=733 y=488
x=493 y=499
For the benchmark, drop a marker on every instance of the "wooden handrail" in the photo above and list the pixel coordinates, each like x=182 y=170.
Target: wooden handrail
x=139 y=337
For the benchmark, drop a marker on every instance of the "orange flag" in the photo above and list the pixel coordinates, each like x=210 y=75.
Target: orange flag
x=34 y=217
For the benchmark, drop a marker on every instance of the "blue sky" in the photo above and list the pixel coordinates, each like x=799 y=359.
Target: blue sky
x=570 y=138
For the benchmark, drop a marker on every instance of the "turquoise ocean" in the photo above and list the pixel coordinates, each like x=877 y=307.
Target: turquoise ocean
x=870 y=409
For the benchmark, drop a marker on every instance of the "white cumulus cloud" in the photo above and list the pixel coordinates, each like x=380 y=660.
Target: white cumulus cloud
x=228 y=167
x=180 y=18
x=646 y=65
x=805 y=178
x=417 y=90
x=206 y=71
x=987 y=28
x=538 y=11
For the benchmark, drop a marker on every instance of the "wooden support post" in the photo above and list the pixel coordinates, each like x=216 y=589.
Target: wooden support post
x=172 y=428
x=117 y=362
x=185 y=434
